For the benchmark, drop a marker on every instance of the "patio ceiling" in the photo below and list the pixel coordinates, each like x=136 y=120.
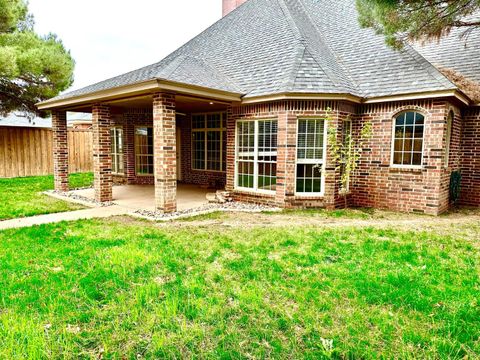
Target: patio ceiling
x=184 y=104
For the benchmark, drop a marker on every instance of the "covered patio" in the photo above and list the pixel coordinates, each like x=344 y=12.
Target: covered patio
x=165 y=149
x=142 y=197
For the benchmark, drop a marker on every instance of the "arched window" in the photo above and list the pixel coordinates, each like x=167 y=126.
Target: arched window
x=408 y=139
x=448 y=138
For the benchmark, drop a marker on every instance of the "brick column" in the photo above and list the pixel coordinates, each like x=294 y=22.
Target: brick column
x=60 y=150
x=164 y=149
x=286 y=138
x=102 y=157
x=230 y=177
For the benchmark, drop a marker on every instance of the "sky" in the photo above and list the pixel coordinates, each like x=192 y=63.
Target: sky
x=110 y=37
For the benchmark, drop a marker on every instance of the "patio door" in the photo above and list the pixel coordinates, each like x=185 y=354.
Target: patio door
x=179 y=154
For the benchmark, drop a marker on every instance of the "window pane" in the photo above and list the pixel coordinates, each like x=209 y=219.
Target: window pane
x=214 y=145
x=144 y=150
x=408 y=139
x=257 y=158
x=417 y=159
x=198 y=121
x=309 y=178
x=116 y=139
x=310 y=139
x=198 y=145
x=214 y=121
x=418 y=132
x=245 y=174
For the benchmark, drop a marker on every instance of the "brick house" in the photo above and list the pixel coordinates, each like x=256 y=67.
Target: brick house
x=242 y=106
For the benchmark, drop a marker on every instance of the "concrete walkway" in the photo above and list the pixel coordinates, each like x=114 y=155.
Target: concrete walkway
x=99 y=212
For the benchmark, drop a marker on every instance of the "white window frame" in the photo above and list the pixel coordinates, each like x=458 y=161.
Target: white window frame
x=350 y=129
x=255 y=188
x=114 y=153
x=135 y=149
x=392 y=150
x=322 y=162
x=205 y=130
x=450 y=120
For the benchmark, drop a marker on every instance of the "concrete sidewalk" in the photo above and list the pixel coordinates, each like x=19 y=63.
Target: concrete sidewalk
x=98 y=212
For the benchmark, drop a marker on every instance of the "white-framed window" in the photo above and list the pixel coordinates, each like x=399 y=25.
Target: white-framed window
x=346 y=143
x=116 y=136
x=450 y=118
x=209 y=142
x=311 y=155
x=407 y=144
x=256 y=155
x=144 y=150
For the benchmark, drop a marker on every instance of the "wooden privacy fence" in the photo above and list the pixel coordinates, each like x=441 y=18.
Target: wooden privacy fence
x=28 y=151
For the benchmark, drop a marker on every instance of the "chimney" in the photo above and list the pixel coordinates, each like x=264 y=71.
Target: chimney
x=230 y=5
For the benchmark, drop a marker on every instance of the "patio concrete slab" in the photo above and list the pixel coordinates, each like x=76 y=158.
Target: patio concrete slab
x=99 y=212
x=142 y=197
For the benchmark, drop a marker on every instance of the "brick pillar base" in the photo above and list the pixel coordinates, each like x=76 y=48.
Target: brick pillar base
x=60 y=150
x=165 y=155
x=102 y=158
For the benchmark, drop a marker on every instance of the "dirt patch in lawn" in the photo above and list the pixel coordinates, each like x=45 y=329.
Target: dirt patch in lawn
x=467 y=219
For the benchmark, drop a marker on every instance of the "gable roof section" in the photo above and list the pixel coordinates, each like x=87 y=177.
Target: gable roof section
x=268 y=47
x=455 y=52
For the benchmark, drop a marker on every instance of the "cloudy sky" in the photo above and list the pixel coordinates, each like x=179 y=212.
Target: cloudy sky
x=110 y=37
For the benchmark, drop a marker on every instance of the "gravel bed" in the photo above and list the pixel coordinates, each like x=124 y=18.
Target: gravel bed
x=80 y=198
x=205 y=209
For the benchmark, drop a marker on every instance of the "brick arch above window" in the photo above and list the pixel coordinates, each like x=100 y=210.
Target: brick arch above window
x=402 y=109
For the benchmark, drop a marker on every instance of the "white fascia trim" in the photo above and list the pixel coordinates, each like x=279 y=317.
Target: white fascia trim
x=144 y=87
x=422 y=95
x=357 y=99
x=300 y=96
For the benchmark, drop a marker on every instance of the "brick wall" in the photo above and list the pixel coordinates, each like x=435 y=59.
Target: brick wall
x=378 y=184
x=470 y=158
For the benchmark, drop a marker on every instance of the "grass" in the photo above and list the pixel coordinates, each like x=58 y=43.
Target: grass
x=22 y=197
x=359 y=213
x=128 y=289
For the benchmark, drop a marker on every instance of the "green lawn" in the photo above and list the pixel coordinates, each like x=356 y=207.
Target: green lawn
x=131 y=289
x=23 y=197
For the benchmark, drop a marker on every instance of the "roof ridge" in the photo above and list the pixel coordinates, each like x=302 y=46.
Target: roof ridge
x=429 y=67
x=207 y=64
x=172 y=66
x=348 y=81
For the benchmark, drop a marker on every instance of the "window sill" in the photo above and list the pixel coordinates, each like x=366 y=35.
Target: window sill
x=311 y=196
x=412 y=169
x=210 y=171
x=255 y=192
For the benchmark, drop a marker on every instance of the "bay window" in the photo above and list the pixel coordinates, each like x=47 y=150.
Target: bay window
x=256 y=157
x=311 y=153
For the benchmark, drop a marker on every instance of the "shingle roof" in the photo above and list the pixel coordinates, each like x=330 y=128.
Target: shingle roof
x=456 y=52
x=267 y=47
